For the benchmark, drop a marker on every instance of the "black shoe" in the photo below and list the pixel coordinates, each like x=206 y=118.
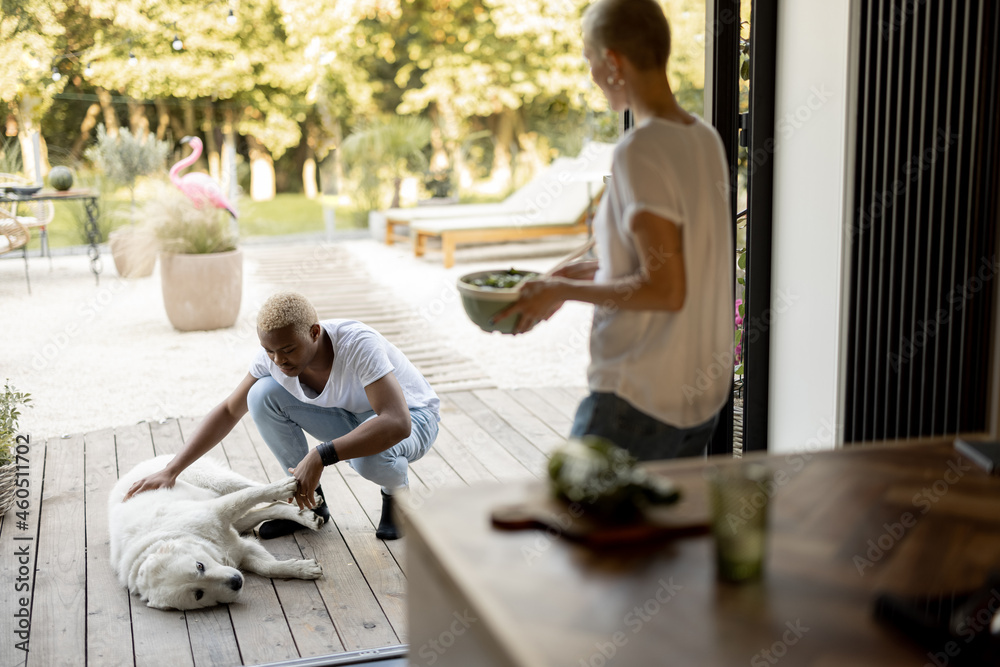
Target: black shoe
x=278 y=528
x=387 y=529
x=281 y=527
x=322 y=509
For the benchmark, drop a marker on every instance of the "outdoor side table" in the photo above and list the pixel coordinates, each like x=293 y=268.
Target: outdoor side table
x=90 y=206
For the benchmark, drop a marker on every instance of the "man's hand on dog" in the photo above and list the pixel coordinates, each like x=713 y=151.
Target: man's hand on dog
x=307 y=474
x=159 y=480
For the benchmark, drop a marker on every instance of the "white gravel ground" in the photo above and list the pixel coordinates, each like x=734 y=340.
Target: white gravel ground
x=102 y=355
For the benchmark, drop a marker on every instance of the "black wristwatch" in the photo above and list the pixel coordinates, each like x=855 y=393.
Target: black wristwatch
x=327 y=453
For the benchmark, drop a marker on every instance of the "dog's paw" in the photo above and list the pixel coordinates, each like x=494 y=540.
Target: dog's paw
x=310 y=519
x=308 y=569
x=283 y=489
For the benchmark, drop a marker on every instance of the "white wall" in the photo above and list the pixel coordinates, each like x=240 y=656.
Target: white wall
x=813 y=132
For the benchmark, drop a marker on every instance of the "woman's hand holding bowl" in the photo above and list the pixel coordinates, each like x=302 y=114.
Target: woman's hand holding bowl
x=539 y=300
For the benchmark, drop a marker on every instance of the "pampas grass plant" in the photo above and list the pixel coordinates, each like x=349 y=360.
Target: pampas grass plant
x=182 y=228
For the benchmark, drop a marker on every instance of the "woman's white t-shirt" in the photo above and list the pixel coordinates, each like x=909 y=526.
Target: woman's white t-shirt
x=674 y=366
x=361 y=356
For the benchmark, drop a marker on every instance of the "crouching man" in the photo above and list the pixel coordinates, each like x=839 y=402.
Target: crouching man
x=341 y=382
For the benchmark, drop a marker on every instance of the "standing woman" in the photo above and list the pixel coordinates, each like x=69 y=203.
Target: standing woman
x=661 y=344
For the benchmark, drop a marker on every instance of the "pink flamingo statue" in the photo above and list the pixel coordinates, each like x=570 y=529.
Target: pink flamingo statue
x=198 y=186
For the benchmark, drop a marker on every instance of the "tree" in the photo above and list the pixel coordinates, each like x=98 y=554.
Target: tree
x=126 y=158
x=346 y=82
x=248 y=70
x=686 y=68
x=289 y=73
x=28 y=34
x=389 y=146
x=487 y=59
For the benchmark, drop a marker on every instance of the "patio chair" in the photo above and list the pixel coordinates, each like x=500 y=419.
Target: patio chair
x=573 y=173
x=33 y=215
x=14 y=236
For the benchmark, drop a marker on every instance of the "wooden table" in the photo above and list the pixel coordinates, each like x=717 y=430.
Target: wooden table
x=845 y=525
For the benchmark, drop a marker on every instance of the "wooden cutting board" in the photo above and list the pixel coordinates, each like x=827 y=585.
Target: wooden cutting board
x=687 y=517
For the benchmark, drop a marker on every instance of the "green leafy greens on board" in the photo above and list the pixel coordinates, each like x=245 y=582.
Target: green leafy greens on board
x=605 y=481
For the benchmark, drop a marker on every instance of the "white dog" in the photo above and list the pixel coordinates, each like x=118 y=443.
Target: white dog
x=179 y=548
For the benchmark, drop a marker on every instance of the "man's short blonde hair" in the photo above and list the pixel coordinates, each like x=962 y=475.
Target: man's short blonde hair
x=287 y=308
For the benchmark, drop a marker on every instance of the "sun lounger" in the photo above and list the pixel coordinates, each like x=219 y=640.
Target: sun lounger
x=556 y=203
x=565 y=178
x=564 y=209
x=515 y=203
x=490 y=229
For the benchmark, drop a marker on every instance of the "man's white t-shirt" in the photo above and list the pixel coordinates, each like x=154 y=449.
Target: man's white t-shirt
x=674 y=366
x=361 y=356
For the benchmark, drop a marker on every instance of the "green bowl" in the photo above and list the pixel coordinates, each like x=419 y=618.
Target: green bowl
x=481 y=303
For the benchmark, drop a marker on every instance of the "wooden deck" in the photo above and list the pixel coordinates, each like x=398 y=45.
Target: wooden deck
x=54 y=560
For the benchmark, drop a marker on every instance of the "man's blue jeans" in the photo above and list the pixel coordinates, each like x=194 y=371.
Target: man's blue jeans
x=646 y=438
x=281 y=420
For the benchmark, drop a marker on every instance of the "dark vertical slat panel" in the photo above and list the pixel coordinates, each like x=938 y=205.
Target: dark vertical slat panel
x=862 y=221
x=725 y=118
x=977 y=234
x=958 y=227
x=930 y=267
x=850 y=395
x=760 y=200
x=898 y=354
x=924 y=238
x=949 y=224
x=987 y=209
x=994 y=144
x=877 y=247
x=937 y=373
x=921 y=191
x=885 y=257
x=994 y=190
x=877 y=210
x=968 y=208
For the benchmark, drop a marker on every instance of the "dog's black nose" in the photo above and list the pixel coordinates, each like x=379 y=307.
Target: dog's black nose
x=236 y=583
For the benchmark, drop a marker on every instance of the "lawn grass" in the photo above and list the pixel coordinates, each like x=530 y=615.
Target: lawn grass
x=286 y=214
x=67 y=227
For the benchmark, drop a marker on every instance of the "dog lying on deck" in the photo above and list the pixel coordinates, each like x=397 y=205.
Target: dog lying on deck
x=179 y=548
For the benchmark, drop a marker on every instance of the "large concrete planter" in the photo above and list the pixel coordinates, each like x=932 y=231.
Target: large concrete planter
x=202 y=292
x=133 y=251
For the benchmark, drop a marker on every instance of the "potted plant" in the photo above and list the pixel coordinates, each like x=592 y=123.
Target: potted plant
x=124 y=159
x=201 y=268
x=10 y=402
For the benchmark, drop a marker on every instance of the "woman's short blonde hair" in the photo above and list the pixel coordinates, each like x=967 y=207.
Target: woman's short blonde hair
x=284 y=309
x=637 y=29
